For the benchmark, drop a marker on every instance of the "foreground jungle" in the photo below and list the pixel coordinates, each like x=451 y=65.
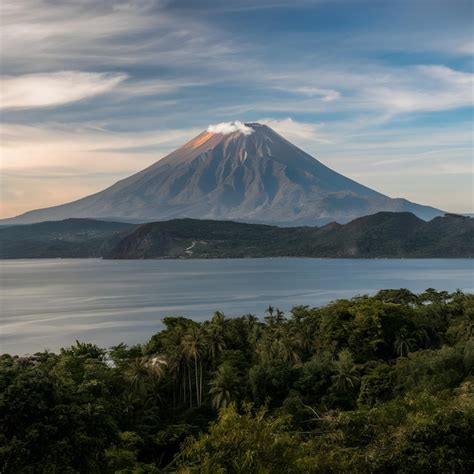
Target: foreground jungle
x=372 y=384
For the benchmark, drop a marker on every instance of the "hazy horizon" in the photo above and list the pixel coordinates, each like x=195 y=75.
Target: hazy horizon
x=378 y=91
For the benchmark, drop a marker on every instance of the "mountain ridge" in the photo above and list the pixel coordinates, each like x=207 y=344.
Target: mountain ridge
x=381 y=235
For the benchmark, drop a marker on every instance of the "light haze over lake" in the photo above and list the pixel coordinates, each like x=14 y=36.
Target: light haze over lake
x=48 y=304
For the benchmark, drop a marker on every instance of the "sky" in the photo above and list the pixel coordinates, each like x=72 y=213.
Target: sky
x=93 y=91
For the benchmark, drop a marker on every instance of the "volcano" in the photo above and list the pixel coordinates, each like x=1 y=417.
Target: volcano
x=234 y=171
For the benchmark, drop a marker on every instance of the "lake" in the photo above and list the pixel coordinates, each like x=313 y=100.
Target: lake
x=51 y=303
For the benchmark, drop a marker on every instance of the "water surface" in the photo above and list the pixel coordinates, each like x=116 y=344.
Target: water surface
x=51 y=303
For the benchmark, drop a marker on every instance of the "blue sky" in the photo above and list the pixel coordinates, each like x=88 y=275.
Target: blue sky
x=93 y=91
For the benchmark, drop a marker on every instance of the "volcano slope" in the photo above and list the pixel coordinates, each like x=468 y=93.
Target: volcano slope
x=242 y=172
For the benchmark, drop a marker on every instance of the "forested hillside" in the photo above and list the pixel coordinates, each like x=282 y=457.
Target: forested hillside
x=373 y=384
x=382 y=235
x=70 y=238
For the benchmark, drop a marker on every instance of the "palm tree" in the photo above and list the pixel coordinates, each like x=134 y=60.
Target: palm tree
x=137 y=372
x=275 y=317
x=181 y=371
x=223 y=386
x=157 y=365
x=285 y=347
x=423 y=337
x=345 y=377
x=178 y=363
x=404 y=342
x=175 y=369
x=253 y=328
x=305 y=338
x=193 y=345
x=215 y=336
x=144 y=370
x=270 y=310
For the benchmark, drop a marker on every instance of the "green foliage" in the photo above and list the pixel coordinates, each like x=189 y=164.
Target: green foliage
x=373 y=384
x=57 y=420
x=376 y=385
x=224 y=387
x=243 y=443
x=384 y=234
x=315 y=378
x=271 y=381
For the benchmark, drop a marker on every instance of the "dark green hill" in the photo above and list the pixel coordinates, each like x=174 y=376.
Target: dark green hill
x=385 y=234
x=208 y=239
x=67 y=238
x=388 y=234
x=382 y=235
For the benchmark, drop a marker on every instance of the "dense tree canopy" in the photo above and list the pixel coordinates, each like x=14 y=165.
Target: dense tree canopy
x=372 y=384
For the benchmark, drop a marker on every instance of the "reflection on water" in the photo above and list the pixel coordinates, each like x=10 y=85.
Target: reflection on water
x=51 y=303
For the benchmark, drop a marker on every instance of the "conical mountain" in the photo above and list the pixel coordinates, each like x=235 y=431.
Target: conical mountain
x=235 y=171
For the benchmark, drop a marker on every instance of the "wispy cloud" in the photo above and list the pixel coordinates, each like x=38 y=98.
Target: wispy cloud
x=384 y=91
x=294 y=130
x=152 y=87
x=56 y=32
x=85 y=33
x=326 y=95
x=427 y=88
x=46 y=90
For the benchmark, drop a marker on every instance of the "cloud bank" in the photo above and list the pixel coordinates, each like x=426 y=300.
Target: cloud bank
x=57 y=88
x=226 y=128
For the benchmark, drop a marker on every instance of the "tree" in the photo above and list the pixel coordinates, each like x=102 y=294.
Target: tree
x=139 y=374
x=432 y=296
x=242 y=443
x=404 y=342
x=271 y=380
x=143 y=371
x=376 y=386
x=215 y=336
x=193 y=346
x=52 y=422
x=345 y=378
x=224 y=386
x=316 y=378
x=371 y=384
x=398 y=296
x=121 y=353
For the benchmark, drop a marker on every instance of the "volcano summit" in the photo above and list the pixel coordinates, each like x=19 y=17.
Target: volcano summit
x=234 y=171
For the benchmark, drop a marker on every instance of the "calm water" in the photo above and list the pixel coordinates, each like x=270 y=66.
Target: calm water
x=51 y=303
